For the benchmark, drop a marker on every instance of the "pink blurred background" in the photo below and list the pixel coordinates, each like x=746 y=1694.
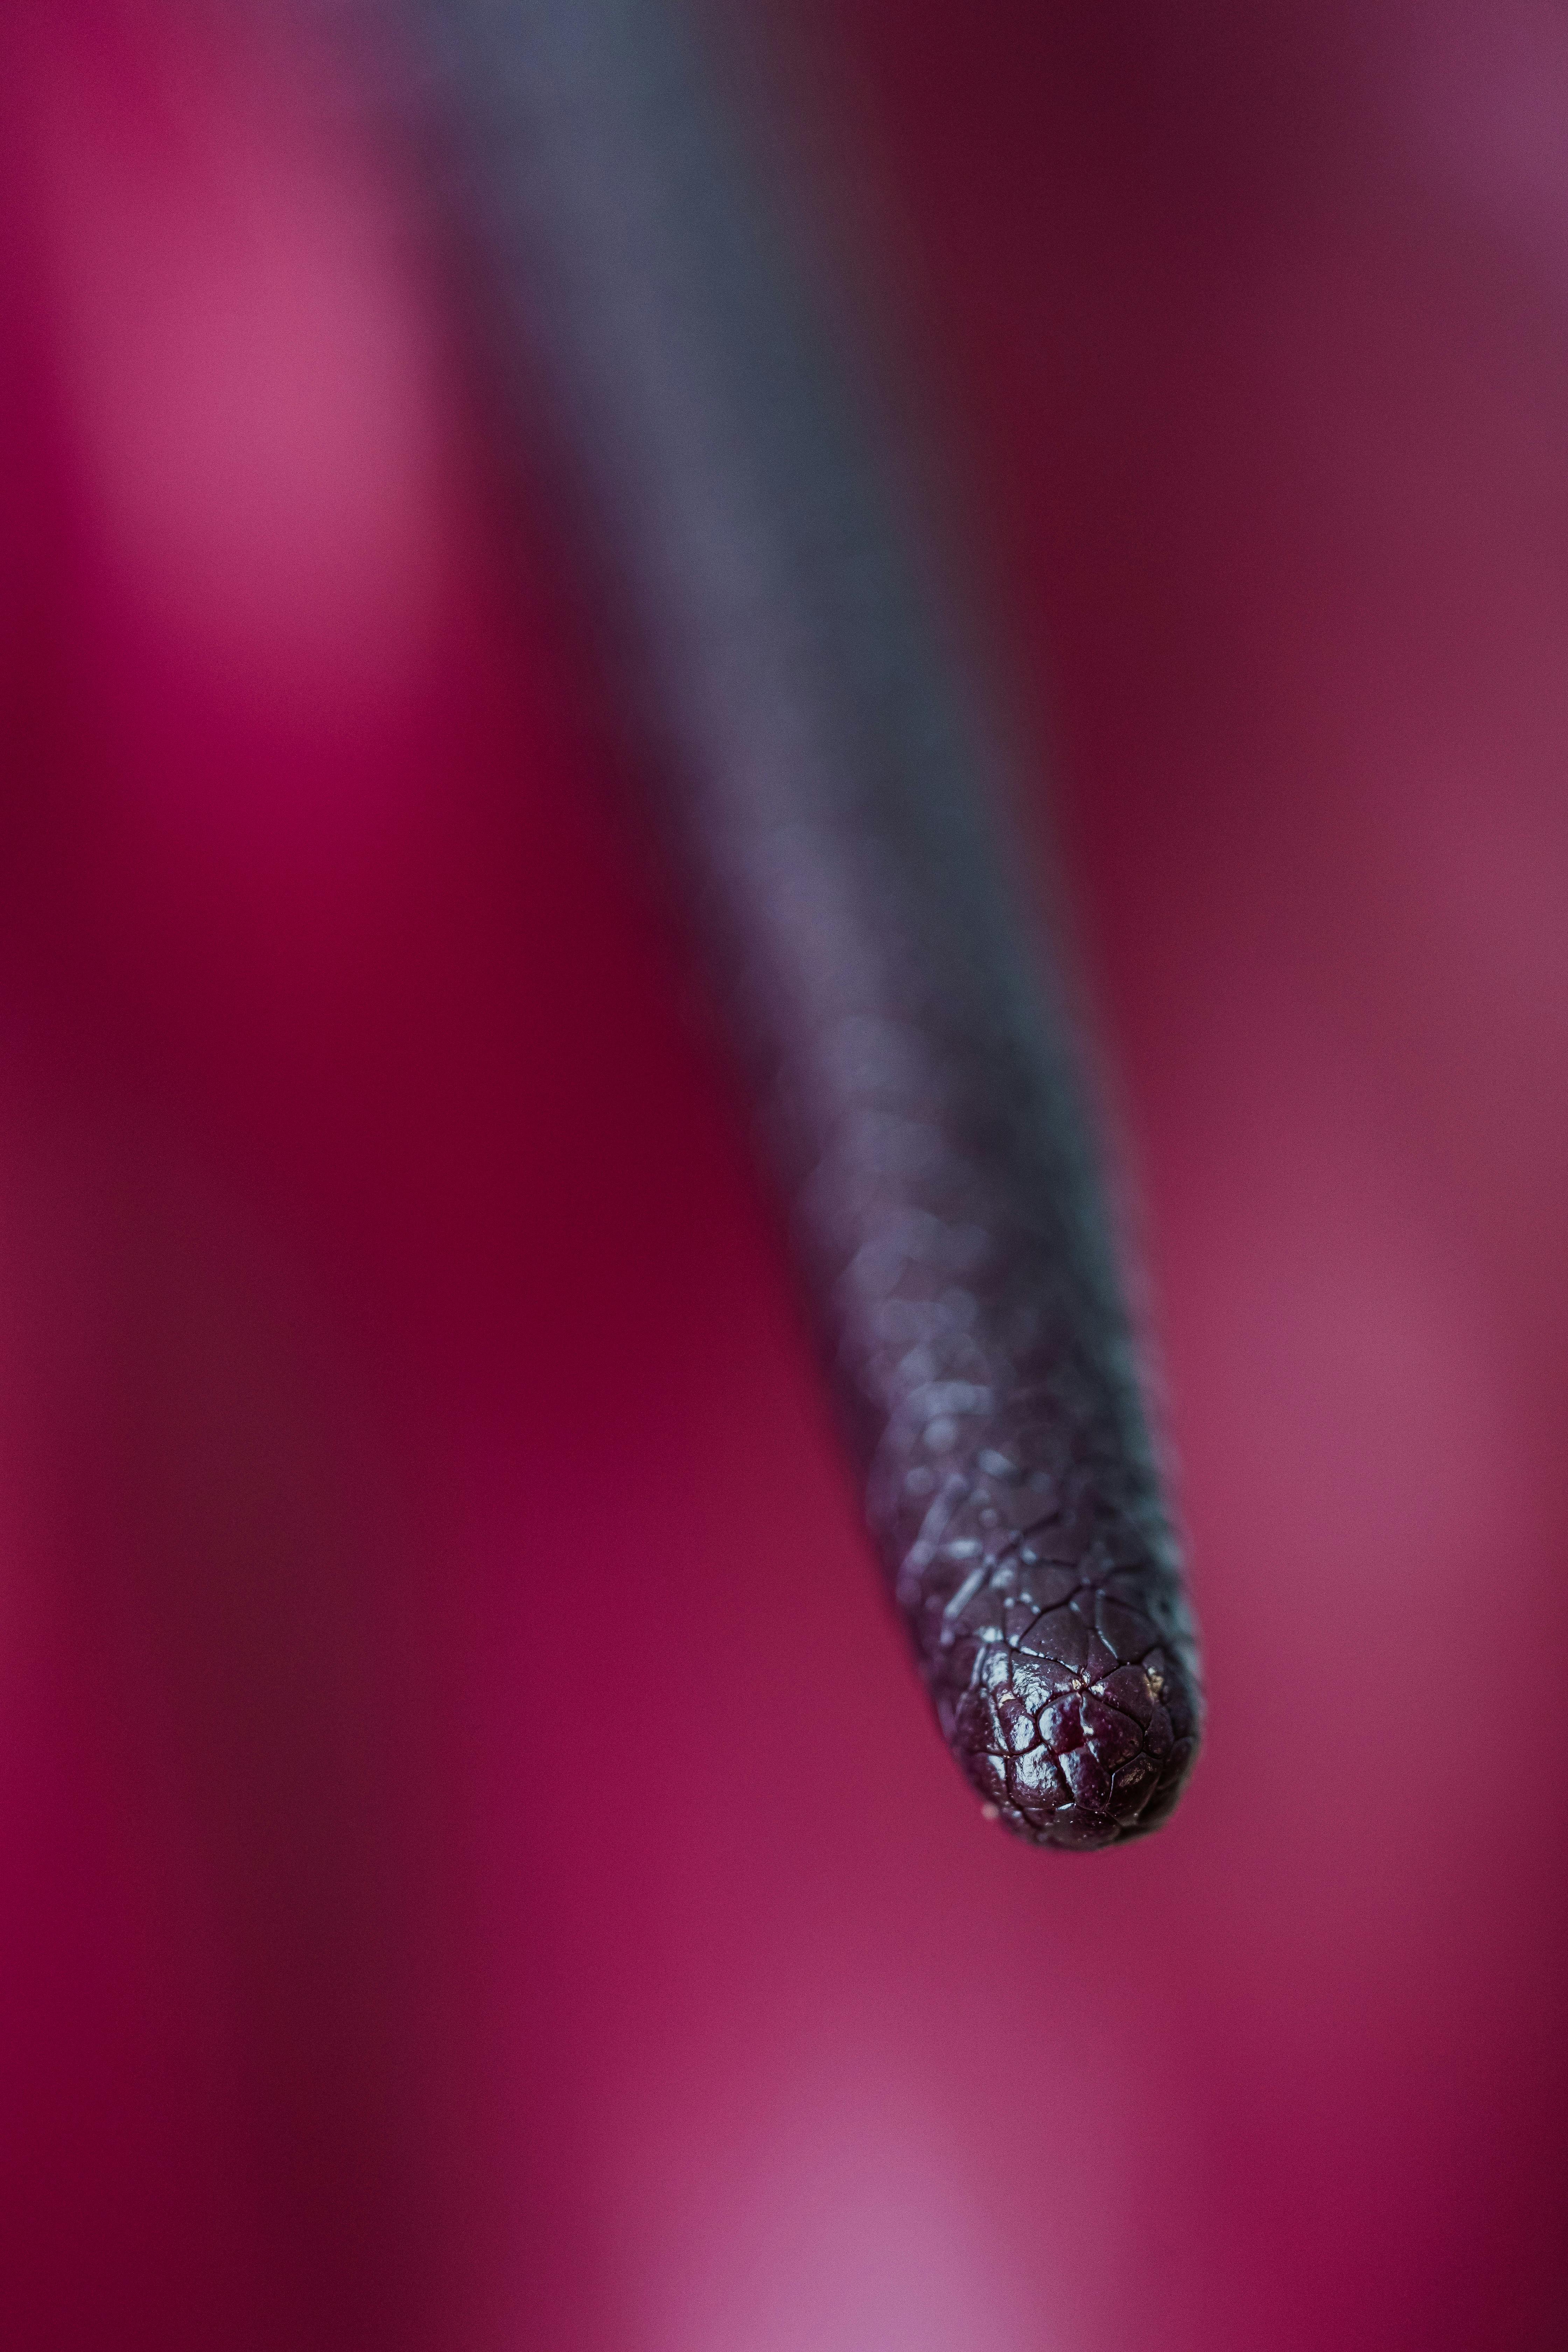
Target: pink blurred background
x=460 y=1885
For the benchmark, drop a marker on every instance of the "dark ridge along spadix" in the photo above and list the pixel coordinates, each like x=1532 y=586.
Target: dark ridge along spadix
x=831 y=794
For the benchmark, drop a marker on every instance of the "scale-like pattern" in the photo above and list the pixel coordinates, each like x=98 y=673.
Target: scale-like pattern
x=1058 y=1656
x=991 y=1391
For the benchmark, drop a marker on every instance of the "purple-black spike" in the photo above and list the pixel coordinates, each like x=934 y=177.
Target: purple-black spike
x=832 y=798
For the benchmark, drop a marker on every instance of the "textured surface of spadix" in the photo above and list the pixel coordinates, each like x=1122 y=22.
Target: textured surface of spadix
x=830 y=777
